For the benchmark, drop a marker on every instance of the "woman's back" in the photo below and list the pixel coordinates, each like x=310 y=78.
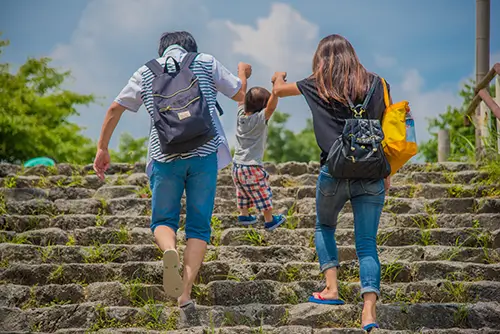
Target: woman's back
x=329 y=117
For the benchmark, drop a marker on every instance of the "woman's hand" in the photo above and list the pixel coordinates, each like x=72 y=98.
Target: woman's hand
x=387 y=184
x=278 y=75
x=101 y=162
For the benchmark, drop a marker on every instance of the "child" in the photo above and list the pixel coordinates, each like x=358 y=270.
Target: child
x=250 y=178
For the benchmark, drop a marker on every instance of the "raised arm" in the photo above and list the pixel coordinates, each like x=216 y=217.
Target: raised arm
x=244 y=72
x=281 y=88
x=271 y=106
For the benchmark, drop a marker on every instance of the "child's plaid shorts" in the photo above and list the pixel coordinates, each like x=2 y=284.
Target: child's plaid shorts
x=252 y=187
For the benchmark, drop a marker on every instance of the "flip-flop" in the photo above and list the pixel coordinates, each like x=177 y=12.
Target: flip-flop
x=321 y=300
x=172 y=281
x=368 y=328
x=187 y=304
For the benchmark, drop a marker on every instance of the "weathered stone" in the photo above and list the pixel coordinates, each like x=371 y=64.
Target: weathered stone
x=110 y=192
x=20 y=224
x=490 y=205
x=79 y=206
x=138 y=179
x=45 y=237
x=9 y=169
x=13 y=319
x=23 y=194
x=70 y=193
x=31 y=207
x=293 y=168
x=129 y=206
x=108 y=293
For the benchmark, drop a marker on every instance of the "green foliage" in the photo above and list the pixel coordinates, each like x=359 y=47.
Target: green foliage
x=130 y=150
x=34 y=113
x=286 y=145
x=462 y=138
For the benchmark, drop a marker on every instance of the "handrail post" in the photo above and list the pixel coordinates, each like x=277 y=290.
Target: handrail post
x=497 y=99
x=443 y=145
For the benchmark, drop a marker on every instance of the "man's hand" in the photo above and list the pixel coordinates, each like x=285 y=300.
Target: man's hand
x=278 y=75
x=245 y=68
x=101 y=162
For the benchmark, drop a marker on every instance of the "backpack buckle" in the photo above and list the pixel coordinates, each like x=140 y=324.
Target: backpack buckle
x=358 y=113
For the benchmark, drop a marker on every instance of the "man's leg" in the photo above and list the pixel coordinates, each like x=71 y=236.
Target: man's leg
x=167 y=186
x=201 y=184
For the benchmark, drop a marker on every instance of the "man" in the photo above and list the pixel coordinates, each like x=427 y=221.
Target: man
x=194 y=171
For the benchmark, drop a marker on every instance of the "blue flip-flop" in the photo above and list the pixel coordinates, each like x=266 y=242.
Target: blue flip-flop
x=368 y=328
x=322 y=300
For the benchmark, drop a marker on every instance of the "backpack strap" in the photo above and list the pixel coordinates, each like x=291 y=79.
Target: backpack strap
x=155 y=67
x=386 y=93
x=188 y=59
x=362 y=108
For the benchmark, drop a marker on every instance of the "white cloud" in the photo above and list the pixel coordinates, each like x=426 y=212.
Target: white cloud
x=385 y=61
x=284 y=39
x=111 y=41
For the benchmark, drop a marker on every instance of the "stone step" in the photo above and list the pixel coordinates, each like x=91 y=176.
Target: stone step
x=427 y=191
x=391 y=316
x=282 y=253
x=142 y=206
x=268 y=330
x=287 y=168
x=22 y=223
x=392 y=236
x=151 y=272
x=233 y=293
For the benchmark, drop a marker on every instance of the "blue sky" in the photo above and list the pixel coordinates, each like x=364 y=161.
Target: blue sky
x=425 y=49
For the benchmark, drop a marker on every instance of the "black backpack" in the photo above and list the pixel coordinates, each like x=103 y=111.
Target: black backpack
x=358 y=153
x=181 y=115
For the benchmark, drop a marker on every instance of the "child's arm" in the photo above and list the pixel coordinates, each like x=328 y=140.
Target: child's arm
x=271 y=106
x=283 y=89
x=244 y=72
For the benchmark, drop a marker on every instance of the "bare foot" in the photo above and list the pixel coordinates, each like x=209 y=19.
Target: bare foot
x=183 y=299
x=326 y=294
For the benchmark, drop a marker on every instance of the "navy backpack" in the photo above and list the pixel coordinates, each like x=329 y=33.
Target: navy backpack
x=181 y=114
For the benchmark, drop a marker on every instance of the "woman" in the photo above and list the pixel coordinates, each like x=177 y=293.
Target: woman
x=337 y=75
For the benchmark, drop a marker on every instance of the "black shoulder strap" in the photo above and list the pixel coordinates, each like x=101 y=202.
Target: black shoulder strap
x=219 y=109
x=155 y=67
x=367 y=98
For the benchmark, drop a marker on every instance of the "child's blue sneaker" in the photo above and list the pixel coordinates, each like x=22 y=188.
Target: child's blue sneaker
x=247 y=220
x=277 y=221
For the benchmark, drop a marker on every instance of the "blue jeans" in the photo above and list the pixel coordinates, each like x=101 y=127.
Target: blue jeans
x=367 y=199
x=198 y=177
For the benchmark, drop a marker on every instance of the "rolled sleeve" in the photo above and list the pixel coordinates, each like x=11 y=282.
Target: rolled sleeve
x=130 y=96
x=225 y=82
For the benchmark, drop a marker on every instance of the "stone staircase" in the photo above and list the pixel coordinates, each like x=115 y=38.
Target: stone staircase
x=77 y=256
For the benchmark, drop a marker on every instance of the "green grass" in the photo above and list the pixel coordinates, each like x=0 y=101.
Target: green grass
x=391 y=271
x=10 y=182
x=122 y=236
x=101 y=254
x=56 y=275
x=252 y=237
x=216 y=224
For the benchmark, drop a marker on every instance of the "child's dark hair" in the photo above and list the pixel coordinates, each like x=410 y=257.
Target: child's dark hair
x=256 y=99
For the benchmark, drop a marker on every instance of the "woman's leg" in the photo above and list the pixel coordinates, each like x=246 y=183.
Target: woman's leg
x=331 y=196
x=367 y=203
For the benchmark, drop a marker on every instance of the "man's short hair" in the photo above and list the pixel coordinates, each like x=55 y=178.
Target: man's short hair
x=181 y=38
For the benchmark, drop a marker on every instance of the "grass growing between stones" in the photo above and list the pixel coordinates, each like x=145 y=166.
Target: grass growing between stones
x=391 y=271
x=99 y=253
x=71 y=240
x=456 y=191
x=56 y=276
x=216 y=224
x=426 y=238
x=292 y=221
x=46 y=252
x=144 y=192
x=10 y=182
x=457 y=292
x=460 y=317
x=122 y=236
x=252 y=237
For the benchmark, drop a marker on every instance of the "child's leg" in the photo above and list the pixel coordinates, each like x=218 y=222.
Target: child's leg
x=262 y=197
x=244 y=201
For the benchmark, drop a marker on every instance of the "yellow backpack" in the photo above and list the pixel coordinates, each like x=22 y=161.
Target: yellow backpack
x=399 y=143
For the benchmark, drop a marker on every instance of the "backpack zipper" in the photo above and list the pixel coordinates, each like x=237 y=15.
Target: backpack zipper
x=173 y=109
x=179 y=91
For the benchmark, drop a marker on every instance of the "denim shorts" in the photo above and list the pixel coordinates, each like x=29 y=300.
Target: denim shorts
x=197 y=177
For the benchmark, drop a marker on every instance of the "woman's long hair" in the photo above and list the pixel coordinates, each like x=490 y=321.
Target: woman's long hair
x=338 y=72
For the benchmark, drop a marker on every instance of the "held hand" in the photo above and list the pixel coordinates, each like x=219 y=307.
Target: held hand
x=101 y=162
x=278 y=75
x=245 y=68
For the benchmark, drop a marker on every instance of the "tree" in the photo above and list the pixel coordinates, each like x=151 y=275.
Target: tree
x=130 y=150
x=462 y=138
x=34 y=112
x=285 y=145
